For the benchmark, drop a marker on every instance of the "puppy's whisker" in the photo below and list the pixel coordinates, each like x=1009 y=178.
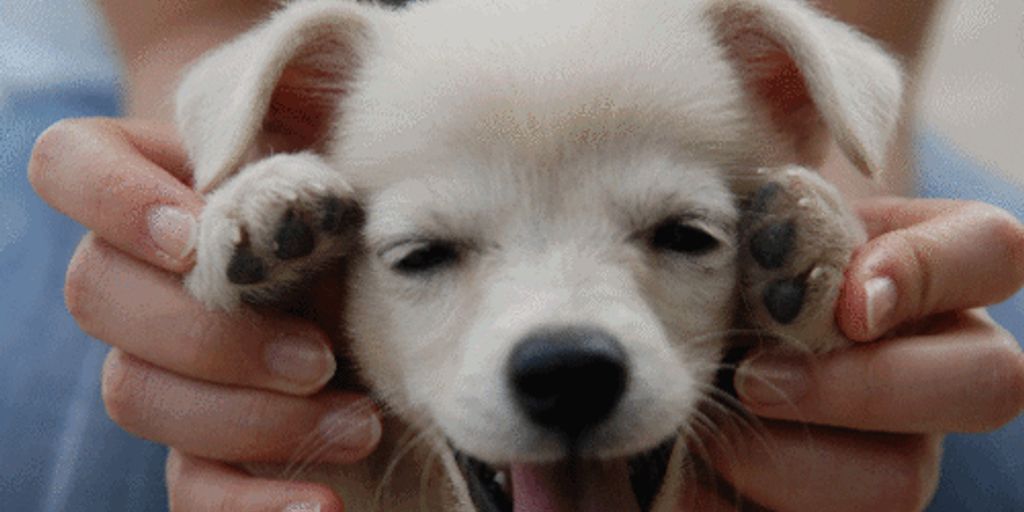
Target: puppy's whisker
x=318 y=442
x=804 y=423
x=690 y=435
x=700 y=420
x=710 y=430
x=312 y=442
x=426 y=476
x=412 y=440
x=687 y=465
x=740 y=419
x=748 y=373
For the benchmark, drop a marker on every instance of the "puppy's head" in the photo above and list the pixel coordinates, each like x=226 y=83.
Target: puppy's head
x=549 y=269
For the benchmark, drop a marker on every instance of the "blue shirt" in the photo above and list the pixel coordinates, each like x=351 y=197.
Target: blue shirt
x=58 y=449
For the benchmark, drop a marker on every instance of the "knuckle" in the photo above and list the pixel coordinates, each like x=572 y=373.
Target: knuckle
x=983 y=213
x=83 y=283
x=59 y=141
x=50 y=146
x=1002 y=222
x=187 y=489
x=79 y=282
x=999 y=225
x=1007 y=228
x=1005 y=372
x=1016 y=383
x=120 y=389
x=173 y=469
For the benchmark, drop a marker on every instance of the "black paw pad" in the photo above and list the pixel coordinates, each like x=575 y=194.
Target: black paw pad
x=772 y=245
x=763 y=198
x=246 y=267
x=784 y=299
x=294 y=238
x=340 y=216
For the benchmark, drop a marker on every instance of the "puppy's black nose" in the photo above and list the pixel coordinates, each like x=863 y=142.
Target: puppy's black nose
x=568 y=379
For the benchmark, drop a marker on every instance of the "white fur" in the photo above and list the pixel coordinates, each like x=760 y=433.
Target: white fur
x=543 y=137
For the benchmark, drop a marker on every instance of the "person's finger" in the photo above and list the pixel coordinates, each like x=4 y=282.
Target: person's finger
x=123 y=180
x=198 y=485
x=236 y=424
x=965 y=374
x=882 y=215
x=793 y=468
x=146 y=312
x=929 y=257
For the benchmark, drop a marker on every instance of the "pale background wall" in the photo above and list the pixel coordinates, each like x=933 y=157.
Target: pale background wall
x=974 y=83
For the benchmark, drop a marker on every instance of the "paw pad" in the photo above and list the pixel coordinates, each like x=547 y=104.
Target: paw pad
x=246 y=267
x=797 y=238
x=784 y=299
x=294 y=237
x=303 y=229
x=340 y=216
x=772 y=245
x=763 y=198
x=270 y=227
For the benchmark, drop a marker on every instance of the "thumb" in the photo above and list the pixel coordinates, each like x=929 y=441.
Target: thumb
x=940 y=259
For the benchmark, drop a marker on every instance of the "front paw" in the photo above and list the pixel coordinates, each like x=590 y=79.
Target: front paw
x=797 y=238
x=269 y=227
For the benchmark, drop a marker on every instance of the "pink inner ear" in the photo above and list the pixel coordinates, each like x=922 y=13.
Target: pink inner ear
x=304 y=102
x=299 y=117
x=772 y=77
x=783 y=92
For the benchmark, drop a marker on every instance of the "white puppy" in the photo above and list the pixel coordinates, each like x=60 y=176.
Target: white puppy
x=555 y=213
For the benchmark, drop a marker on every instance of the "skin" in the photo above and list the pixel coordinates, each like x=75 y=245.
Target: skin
x=195 y=387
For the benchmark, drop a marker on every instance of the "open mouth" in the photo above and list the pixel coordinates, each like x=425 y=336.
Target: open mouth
x=630 y=484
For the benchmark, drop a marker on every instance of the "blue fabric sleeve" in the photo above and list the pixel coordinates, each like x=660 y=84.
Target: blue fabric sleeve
x=58 y=450
x=980 y=473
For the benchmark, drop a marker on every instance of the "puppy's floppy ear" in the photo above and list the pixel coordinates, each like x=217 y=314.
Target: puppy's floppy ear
x=807 y=70
x=275 y=89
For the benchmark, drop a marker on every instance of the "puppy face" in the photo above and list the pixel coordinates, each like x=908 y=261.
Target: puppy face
x=542 y=200
x=549 y=267
x=467 y=260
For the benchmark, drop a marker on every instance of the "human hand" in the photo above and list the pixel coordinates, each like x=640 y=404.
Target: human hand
x=862 y=429
x=219 y=388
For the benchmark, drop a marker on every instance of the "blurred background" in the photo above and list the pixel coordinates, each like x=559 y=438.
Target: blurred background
x=974 y=82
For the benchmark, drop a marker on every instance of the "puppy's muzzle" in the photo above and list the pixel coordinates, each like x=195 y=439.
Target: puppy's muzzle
x=568 y=380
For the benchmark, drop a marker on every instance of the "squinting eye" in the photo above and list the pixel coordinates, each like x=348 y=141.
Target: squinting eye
x=674 y=236
x=428 y=257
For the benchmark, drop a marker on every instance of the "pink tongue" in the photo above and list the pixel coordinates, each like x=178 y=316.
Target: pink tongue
x=591 y=487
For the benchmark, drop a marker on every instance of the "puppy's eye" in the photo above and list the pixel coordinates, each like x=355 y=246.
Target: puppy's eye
x=427 y=257
x=675 y=236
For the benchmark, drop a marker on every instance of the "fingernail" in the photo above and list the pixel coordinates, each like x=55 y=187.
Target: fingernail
x=772 y=380
x=173 y=230
x=881 y=301
x=303 y=507
x=305 y=362
x=353 y=428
